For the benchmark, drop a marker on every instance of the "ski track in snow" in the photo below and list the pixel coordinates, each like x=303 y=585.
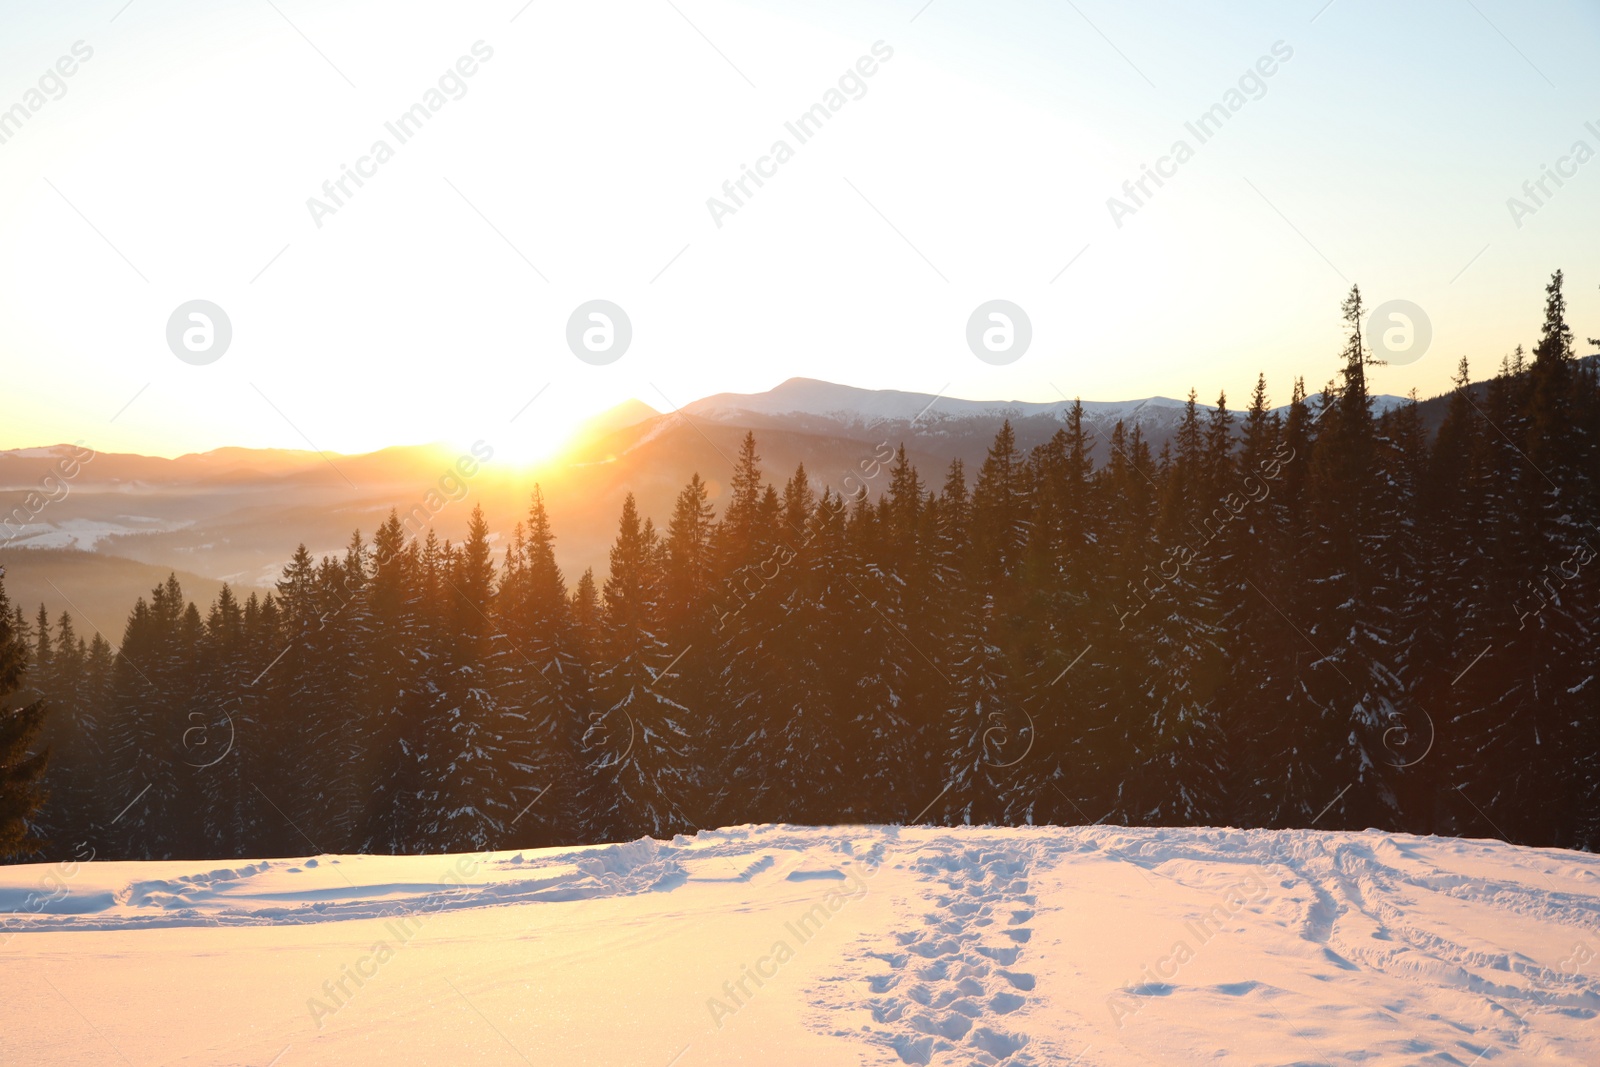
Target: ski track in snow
x=1022 y=946
x=269 y=893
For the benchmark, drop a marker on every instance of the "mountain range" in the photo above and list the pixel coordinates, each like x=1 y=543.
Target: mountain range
x=236 y=514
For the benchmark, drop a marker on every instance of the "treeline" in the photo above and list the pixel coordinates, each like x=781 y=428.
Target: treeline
x=1326 y=617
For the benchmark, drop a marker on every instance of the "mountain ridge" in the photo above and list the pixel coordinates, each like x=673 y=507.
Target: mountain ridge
x=807 y=398
x=816 y=398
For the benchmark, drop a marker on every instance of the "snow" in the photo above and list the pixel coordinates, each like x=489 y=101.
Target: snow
x=845 y=945
x=81 y=533
x=46 y=452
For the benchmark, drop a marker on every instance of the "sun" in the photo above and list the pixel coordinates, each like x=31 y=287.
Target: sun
x=536 y=436
x=531 y=441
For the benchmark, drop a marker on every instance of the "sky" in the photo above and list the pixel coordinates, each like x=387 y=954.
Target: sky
x=584 y=158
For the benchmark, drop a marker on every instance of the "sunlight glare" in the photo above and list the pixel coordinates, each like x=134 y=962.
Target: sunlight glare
x=539 y=435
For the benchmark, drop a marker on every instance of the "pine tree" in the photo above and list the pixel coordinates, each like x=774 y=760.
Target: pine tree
x=391 y=684
x=479 y=752
x=41 y=669
x=587 y=612
x=782 y=693
x=740 y=534
x=637 y=740
x=546 y=682
x=1549 y=710
x=213 y=740
x=22 y=762
x=1351 y=626
x=1000 y=514
x=1249 y=570
x=72 y=734
x=985 y=724
x=311 y=790
x=1177 y=759
x=153 y=692
x=689 y=563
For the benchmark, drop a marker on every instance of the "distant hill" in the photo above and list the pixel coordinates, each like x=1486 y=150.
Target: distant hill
x=99 y=590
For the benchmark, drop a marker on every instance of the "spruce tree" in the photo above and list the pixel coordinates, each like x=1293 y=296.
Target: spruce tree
x=479 y=752
x=546 y=683
x=637 y=742
x=22 y=762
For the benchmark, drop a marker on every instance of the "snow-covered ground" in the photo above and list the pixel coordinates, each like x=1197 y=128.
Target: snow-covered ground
x=851 y=945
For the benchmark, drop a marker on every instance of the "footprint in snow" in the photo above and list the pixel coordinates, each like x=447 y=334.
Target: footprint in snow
x=963 y=984
x=1006 y=1003
x=1021 y=981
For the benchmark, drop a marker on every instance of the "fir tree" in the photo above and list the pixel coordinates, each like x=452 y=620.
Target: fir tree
x=637 y=740
x=22 y=763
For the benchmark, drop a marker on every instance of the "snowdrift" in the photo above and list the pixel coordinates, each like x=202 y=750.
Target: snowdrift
x=847 y=945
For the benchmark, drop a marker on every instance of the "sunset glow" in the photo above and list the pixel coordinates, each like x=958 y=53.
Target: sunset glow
x=800 y=532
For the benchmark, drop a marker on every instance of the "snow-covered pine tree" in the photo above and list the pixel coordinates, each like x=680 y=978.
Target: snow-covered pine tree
x=1350 y=625
x=480 y=753
x=1178 y=760
x=875 y=667
x=213 y=746
x=588 y=613
x=640 y=780
x=547 y=682
x=1000 y=508
x=71 y=734
x=1407 y=569
x=1549 y=705
x=786 y=696
x=1250 y=557
x=987 y=730
x=22 y=762
x=145 y=727
x=393 y=681
x=1048 y=629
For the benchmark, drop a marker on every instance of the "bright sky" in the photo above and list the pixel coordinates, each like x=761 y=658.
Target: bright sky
x=434 y=302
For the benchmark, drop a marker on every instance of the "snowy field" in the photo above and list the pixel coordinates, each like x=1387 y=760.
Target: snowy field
x=781 y=945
